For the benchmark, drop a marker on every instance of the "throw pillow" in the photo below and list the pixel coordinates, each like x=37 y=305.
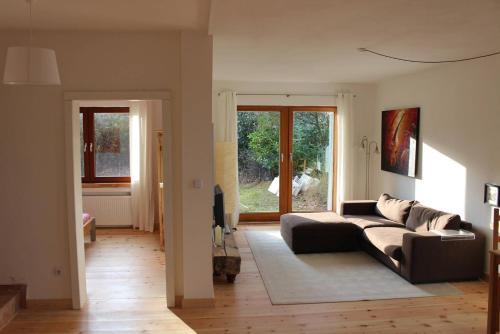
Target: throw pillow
x=423 y=219
x=393 y=209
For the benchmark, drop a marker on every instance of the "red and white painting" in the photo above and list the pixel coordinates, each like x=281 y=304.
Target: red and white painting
x=400 y=128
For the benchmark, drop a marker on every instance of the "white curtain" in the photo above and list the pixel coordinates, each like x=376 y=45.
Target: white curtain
x=226 y=154
x=345 y=148
x=140 y=167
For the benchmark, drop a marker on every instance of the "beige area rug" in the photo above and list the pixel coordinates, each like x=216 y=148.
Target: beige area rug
x=329 y=277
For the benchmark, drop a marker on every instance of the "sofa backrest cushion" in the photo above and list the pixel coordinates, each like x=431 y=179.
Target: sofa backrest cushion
x=394 y=209
x=422 y=219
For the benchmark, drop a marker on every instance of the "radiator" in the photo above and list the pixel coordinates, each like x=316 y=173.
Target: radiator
x=109 y=210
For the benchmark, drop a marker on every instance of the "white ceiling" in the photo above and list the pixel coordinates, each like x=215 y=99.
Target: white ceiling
x=291 y=40
x=317 y=40
x=106 y=15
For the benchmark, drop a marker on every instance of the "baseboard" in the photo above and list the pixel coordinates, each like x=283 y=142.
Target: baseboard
x=50 y=304
x=182 y=302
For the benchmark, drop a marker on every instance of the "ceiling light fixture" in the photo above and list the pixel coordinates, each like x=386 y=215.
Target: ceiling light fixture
x=27 y=65
x=428 y=61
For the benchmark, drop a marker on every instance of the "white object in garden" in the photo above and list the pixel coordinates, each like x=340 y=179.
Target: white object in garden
x=306 y=182
x=296 y=186
x=274 y=187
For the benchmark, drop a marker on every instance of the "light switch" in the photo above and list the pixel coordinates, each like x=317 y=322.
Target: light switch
x=198 y=183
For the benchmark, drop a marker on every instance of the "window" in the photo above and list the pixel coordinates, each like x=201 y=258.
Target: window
x=104 y=138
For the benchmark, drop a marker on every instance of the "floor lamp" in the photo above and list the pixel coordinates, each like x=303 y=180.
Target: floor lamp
x=367 y=145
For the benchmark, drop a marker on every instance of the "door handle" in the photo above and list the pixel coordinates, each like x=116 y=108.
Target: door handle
x=91 y=147
x=84 y=147
x=282 y=157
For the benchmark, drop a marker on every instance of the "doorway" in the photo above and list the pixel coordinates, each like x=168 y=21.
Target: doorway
x=286 y=160
x=73 y=102
x=119 y=194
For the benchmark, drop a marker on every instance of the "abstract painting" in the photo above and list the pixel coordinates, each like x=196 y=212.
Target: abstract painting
x=400 y=129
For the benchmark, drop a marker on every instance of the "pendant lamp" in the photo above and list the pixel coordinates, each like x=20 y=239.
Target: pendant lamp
x=27 y=65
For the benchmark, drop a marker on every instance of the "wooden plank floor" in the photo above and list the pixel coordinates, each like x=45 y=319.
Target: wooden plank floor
x=126 y=289
x=246 y=308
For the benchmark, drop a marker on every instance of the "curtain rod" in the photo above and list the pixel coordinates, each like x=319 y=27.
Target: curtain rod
x=286 y=95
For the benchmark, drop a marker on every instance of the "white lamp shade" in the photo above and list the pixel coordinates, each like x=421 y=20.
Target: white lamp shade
x=31 y=66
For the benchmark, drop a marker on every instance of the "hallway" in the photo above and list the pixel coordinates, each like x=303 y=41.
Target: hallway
x=126 y=291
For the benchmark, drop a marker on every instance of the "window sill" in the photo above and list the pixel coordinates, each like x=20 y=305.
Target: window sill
x=105 y=185
x=106 y=190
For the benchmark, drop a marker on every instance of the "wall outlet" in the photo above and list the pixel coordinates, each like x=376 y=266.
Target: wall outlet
x=16 y=279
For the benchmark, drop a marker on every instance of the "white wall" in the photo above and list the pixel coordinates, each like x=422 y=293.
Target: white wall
x=363 y=106
x=34 y=236
x=459 y=146
x=197 y=164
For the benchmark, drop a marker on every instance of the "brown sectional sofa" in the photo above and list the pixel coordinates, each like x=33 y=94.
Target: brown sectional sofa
x=404 y=243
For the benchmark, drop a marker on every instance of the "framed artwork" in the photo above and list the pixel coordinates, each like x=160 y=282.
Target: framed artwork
x=400 y=128
x=491 y=192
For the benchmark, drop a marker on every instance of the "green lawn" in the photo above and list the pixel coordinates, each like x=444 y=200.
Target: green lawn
x=254 y=197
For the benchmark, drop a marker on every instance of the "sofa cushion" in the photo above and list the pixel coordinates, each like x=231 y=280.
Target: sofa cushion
x=312 y=217
x=318 y=232
x=394 y=209
x=389 y=240
x=371 y=221
x=422 y=219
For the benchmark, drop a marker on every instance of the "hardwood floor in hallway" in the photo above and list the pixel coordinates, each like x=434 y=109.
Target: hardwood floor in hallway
x=126 y=291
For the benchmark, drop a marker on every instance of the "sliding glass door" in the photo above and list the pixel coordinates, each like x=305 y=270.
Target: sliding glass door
x=260 y=163
x=285 y=160
x=312 y=163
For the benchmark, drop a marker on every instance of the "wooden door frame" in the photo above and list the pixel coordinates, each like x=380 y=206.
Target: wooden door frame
x=283 y=112
x=286 y=145
x=89 y=137
x=293 y=109
x=74 y=187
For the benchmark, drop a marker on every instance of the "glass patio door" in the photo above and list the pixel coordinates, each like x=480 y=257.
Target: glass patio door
x=311 y=159
x=285 y=160
x=261 y=147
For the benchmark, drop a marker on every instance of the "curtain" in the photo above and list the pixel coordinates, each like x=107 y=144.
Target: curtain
x=226 y=154
x=345 y=148
x=140 y=167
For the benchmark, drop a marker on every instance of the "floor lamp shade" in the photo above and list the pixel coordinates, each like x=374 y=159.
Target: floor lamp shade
x=31 y=66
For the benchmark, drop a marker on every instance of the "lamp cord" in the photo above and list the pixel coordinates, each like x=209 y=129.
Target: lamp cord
x=31 y=23
x=30 y=41
x=428 y=61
